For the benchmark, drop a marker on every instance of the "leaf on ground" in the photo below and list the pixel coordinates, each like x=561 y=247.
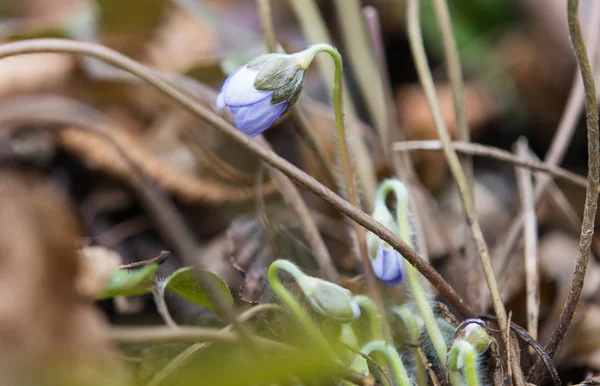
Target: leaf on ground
x=184 y=283
x=128 y=283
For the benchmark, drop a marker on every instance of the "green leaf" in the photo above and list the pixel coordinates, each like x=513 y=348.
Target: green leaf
x=130 y=283
x=184 y=283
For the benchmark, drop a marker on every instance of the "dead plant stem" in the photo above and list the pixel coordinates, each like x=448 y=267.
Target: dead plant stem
x=418 y=52
x=591 y=194
x=493 y=152
x=455 y=76
x=532 y=278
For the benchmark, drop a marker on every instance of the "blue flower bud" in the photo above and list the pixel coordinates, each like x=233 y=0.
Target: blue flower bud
x=388 y=266
x=387 y=263
x=259 y=92
x=329 y=299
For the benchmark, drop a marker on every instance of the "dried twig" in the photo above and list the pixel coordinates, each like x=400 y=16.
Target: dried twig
x=493 y=152
x=161 y=258
x=207 y=115
x=418 y=51
x=532 y=275
x=462 y=132
x=591 y=194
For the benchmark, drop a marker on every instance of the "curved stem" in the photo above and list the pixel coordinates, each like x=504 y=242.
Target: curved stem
x=463 y=355
x=347 y=168
x=397 y=367
x=414 y=279
x=291 y=302
x=412 y=327
x=161 y=306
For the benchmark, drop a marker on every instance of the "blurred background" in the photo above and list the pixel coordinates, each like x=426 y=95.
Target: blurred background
x=519 y=73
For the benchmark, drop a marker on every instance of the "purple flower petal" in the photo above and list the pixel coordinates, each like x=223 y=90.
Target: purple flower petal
x=238 y=90
x=256 y=118
x=388 y=266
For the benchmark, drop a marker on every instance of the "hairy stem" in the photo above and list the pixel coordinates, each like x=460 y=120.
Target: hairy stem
x=397 y=367
x=347 y=168
x=161 y=306
x=463 y=355
x=414 y=279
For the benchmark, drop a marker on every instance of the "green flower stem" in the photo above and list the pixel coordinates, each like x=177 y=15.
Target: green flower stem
x=349 y=181
x=463 y=355
x=370 y=309
x=414 y=330
x=414 y=279
x=293 y=304
x=397 y=367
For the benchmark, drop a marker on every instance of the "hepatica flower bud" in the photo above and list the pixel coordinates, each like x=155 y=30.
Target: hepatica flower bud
x=261 y=91
x=329 y=299
x=387 y=263
x=477 y=336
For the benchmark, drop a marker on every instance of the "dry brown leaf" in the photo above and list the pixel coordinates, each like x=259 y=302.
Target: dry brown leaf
x=581 y=346
x=20 y=74
x=417 y=123
x=49 y=333
x=181 y=42
x=99 y=155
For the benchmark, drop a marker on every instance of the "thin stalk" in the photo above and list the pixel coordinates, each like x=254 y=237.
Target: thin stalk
x=161 y=306
x=591 y=193
x=291 y=302
x=208 y=115
x=397 y=367
x=418 y=51
x=411 y=325
x=414 y=279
